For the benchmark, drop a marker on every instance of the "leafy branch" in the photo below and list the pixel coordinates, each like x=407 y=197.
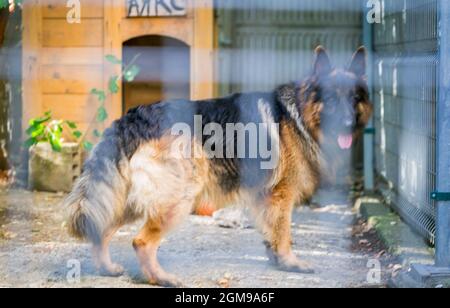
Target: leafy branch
x=128 y=73
x=10 y=3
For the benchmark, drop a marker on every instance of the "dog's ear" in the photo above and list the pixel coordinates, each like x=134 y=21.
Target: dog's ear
x=322 y=64
x=358 y=63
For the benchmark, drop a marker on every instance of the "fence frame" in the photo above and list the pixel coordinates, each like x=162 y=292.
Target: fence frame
x=440 y=271
x=443 y=139
x=369 y=149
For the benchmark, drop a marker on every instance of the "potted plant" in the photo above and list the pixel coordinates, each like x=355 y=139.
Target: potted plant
x=54 y=154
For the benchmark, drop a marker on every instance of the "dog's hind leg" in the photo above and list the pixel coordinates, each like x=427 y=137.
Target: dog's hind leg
x=102 y=257
x=273 y=218
x=147 y=242
x=165 y=188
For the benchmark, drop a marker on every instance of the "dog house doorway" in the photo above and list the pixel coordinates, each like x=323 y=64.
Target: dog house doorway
x=164 y=64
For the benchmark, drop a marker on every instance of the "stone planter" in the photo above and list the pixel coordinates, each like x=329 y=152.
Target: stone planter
x=54 y=171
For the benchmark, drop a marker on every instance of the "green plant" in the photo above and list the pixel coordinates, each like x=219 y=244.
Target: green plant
x=46 y=129
x=128 y=73
x=9 y=3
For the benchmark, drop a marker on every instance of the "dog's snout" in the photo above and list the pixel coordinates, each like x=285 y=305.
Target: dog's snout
x=349 y=116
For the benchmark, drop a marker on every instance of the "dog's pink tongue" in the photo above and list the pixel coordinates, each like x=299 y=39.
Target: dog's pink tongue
x=345 y=141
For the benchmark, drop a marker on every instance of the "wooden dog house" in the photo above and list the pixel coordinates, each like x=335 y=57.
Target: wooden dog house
x=63 y=61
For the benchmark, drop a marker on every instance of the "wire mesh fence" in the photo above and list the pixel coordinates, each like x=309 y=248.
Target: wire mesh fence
x=264 y=43
x=405 y=94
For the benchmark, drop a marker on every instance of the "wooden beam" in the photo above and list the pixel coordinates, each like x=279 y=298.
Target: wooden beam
x=112 y=45
x=179 y=28
x=202 y=54
x=58 y=9
x=59 y=33
x=32 y=44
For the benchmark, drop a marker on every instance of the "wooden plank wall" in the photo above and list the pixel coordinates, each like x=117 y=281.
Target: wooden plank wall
x=62 y=62
x=71 y=60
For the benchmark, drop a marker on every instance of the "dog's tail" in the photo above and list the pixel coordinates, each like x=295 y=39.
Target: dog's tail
x=85 y=221
x=98 y=196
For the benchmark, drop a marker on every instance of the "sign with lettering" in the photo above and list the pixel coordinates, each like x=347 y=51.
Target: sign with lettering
x=152 y=8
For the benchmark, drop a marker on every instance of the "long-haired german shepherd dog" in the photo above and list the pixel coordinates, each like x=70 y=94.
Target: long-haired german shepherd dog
x=133 y=172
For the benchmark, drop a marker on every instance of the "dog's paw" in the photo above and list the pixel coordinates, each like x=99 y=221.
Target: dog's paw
x=113 y=270
x=163 y=279
x=292 y=264
x=172 y=283
x=167 y=281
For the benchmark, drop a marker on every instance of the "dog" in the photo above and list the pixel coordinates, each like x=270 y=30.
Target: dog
x=142 y=169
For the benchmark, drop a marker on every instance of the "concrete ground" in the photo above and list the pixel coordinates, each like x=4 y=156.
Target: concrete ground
x=411 y=251
x=35 y=250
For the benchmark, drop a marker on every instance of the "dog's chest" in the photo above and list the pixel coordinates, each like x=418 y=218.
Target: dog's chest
x=299 y=164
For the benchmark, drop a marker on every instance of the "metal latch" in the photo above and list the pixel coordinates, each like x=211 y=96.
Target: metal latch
x=438 y=196
x=369 y=131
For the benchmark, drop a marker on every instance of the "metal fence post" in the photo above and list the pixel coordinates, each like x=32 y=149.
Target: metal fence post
x=369 y=183
x=440 y=272
x=443 y=138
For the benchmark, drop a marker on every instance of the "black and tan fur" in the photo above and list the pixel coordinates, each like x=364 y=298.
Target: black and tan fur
x=132 y=173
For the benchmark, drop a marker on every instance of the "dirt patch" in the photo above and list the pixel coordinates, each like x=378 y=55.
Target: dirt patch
x=366 y=241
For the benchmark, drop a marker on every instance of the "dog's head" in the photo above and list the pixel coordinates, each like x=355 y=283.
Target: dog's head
x=335 y=103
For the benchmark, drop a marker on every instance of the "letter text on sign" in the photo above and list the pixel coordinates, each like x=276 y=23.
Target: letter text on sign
x=152 y=8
